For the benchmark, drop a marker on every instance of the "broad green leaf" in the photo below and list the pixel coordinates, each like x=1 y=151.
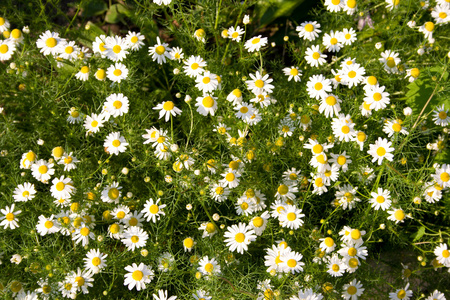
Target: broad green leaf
x=268 y=11
x=419 y=234
x=93 y=8
x=116 y=12
x=88 y=34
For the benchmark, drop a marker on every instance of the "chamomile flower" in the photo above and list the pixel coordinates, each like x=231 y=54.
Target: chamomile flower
x=153 y=210
x=346 y=195
x=230 y=178
x=442 y=175
x=95 y=260
x=291 y=175
x=98 y=46
x=134 y=237
x=206 y=82
x=440 y=13
x=100 y=74
x=340 y=160
x=427 y=29
x=436 y=295
x=377 y=98
x=9 y=218
x=291 y=262
x=166 y=109
x=7 y=49
x=245 y=206
x=286 y=127
x=62 y=188
x=42 y=170
x=327 y=244
x=238 y=237
x=397 y=215
x=208 y=266
x=160 y=51
x=401 y=294
x=259 y=83
x=293 y=73
x=111 y=193
x=235 y=97
x=286 y=191
x=116 y=48
x=291 y=217
x=4 y=24
x=255 y=43
x=27 y=160
x=352 y=75
x=244 y=110
x=347 y=36
x=349 y=6
x=202 y=295
x=115 y=143
x=309 y=30
x=441 y=116
x=74 y=116
x=318 y=86
x=336 y=267
x=188 y=244
x=314 y=56
x=315 y=147
x=138 y=276
x=121 y=212
x=235 y=34
x=47 y=225
x=412 y=74
x=177 y=53
x=391 y=4
x=24 y=192
x=330 y=106
x=134 y=40
x=263 y=99
x=194 y=66
x=219 y=192
x=332 y=41
x=151 y=136
x=343 y=128
x=390 y=60
x=381 y=150
x=442 y=254
x=259 y=223
x=48 y=43
x=116 y=105
x=334 y=5
x=394 y=126
x=134 y=219
x=352 y=290
x=83 y=74
x=115 y=231
x=82 y=279
x=200 y=35
x=117 y=72
x=209 y=229
x=82 y=234
x=162 y=294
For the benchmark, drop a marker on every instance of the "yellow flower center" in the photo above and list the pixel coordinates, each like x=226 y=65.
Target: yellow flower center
x=355 y=234
x=316 y=55
x=208 y=101
x=160 y=50
x=121 y=215
x=219 y=190
x=335 y=267
x=84 y=231
x=26 y=194
x=399 y=215
x=258 y=222
x=341 y=160
x=84 y=70
x=114 y=228
x=2 y=21
x=291 y=216
x=352 y=74
x=116 y=49
x=351 y=251
x=318 y=86
x=239 y=237
x=194 y=66
x=361 y=136
x=9 y=217
x=58 y=152
x=96 y=261
x=134 y=39
x=415 y=72
x=154 y=209
x=329 y=242
x=429 y=26
x=348 y=36
x=351 y=3
x=390 y=62
x=345 y=129
x=291 y=263
x=372 y=80
x=318 y=182
x=188 y=243
x=210 y=228
x=68 y=50
x=310 y=27
x=51 y=42
x=102 y=47
x=79 y=280
x=168 y=106
x=244 y=205
x=259 y=83
x=209 y=267
x=445 y=176
x=256 y=41
x=381 y=151
x=134 y=239
x=294 y=72
x=283 y=189
x=137 y=275
x=117 y=104
x=117 y=72
x=442 y=15
x=60 y=186
x=351 y=290
x=401 y=294
x=116 y=143
x=331 y=100
x=377 y=97
x=235 y=35
x=113 y=193
x=133 y=221
x=31 y=156
x=43 y=169
x=48 y=224
x=442 y=115
x=445 y=253
x=333 y=41
x=230 y=177
x=75 y=114
x=353 y=263
x=321 y=159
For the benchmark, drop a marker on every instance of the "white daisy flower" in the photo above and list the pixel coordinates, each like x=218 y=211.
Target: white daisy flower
x=95 y=260
x=349 y=6
x=390 y=60
x=327 y=244
x=194 y=66
x=314 y=56
x=98 y=46
x=427 y=29
x=377 y=98
x=352 y=290
x=380 y=150
x=334 y=5
x=111 y=193
x=134 y=40
x=332 y=41
x=82 y=234
x=401 y=294
x=412 y=74
x=166 y=109
x=68 y=50
x=442 y=175
x=394 y=126
x=441 y=116
x=259 y=83
x=115 y=143
x=42 y=170
x=436 y=295
x=48 y=43
x=209 y=229
x=340 y=160
x=24 y=192
x=188 y=244
x=318 y=86
x=352 y=75
x=116 y=105
x=153 y=211
x=397 y=215
x=62 y=188
x=138 y=276
x=230 y=178
x=162 y=294
x=235 y=34
x=440 y=13
x=391 y=4
x=290 y=217
x=206 y=82
x=347 y=36
x=255 y=43
x=160 y=51
x=309 y=30
x=4 y=24
x=293 y=73
x=336 y=267
x=9 y=218
x=134 y=237
x=7 y=48
x=238 y=237
x=235 y=97
x=208 y=266
x=259 y=223
x=343 y=128
x=177 y=53
x=291 y=262
x=47 y=225
x=117 y=72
